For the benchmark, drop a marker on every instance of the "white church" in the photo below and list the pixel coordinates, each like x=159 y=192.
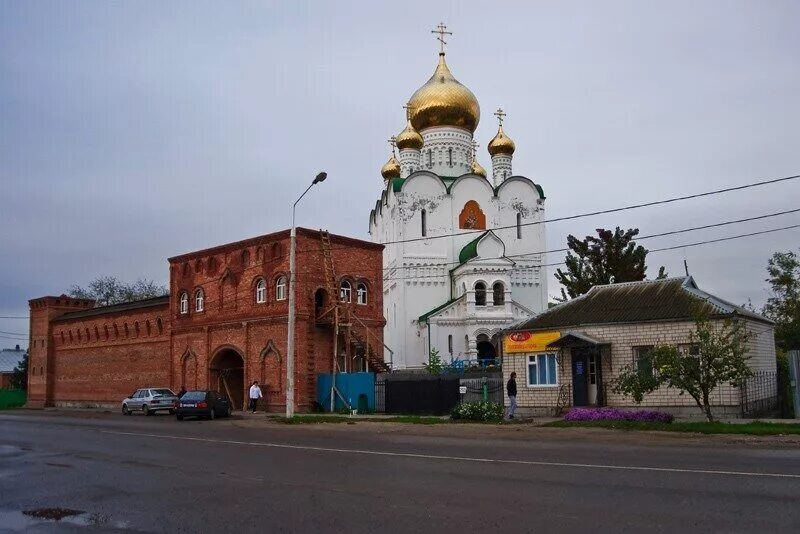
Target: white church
x=457 y=261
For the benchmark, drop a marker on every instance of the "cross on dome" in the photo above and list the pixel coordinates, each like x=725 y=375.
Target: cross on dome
x=500 y=114
x=408 y=107
x=441 y=29
x=392 y=142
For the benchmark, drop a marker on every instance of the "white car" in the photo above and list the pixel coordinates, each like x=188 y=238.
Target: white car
x=149 y=401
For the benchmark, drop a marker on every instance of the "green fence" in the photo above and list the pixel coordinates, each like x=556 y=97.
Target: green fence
x=12 y=398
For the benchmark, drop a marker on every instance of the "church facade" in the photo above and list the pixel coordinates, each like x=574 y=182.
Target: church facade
x=463 y=250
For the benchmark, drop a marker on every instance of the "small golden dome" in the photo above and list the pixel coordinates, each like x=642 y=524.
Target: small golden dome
x=409 y=138
x=477 y=168
x=391 y=169
x=443 y=101
x=501 y=144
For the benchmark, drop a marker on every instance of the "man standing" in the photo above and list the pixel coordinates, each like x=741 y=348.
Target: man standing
x=255 y=394
x=511 y=389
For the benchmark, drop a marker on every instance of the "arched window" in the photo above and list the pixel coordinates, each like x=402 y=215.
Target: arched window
x=498 y=294
x=184 y=303
x=424 y=220
x=361 y=294
x=519 y=225
x=450 y=157
x=199 y=299
x=450 y=344
x=344 y=291
x=159 y=326
x=430 y=158
x=280 y=288
x=480 y=294
x=261 y=291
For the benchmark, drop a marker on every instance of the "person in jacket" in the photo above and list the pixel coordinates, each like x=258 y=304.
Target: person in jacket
x=255 y=394
x=511 y=390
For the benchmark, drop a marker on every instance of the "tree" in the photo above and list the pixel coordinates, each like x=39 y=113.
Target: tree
x=106 y=290
x=610 y=258
x=718 y=355
x=783 y=306
x=434 y=365
x=19 y=377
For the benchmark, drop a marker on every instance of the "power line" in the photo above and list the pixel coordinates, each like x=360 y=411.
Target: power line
x=686 y=245
x=14 y=338
x=13 y=333
x=603 y=212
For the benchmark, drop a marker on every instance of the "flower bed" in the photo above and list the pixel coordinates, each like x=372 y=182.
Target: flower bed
x=615 y=414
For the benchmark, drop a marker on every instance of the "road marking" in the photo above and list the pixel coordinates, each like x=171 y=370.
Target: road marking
x=462 y=458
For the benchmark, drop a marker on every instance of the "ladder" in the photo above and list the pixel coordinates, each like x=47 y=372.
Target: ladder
x=330 y=272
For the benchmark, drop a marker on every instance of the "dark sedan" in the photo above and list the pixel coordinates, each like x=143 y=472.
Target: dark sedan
x=208 y=404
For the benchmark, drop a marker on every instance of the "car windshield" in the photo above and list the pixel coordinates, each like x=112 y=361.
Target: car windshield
x=163 y=392
x=194 y=395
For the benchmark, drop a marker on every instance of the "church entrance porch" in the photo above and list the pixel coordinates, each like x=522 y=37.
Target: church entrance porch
x=226 y=375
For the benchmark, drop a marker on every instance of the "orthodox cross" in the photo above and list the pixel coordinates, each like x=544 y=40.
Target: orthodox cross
x=392 y=142
x=441 y=29
x=500 y=114
x=408 y=107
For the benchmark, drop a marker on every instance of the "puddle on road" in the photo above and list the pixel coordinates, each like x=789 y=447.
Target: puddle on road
x=16 y=521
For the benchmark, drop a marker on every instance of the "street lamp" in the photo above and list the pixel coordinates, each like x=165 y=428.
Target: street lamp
x=292 y=310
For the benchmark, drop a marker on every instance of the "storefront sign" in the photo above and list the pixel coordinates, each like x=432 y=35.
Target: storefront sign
x=528 y=341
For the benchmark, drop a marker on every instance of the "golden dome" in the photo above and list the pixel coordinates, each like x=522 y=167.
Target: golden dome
x=501 y=144
x=409 y=138
x=477 y=168
x=443 y=101
x=391 y=169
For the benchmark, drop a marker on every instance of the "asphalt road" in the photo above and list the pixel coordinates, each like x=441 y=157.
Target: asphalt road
x=154 y=474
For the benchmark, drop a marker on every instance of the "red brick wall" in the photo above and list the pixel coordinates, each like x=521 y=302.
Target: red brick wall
x=102 y=359
x=86 y=365
x=232 y=318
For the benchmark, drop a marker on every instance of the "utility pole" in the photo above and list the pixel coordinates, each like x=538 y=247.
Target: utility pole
x=292 y=304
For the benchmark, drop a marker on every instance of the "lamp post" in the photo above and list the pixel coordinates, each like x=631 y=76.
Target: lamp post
x=292 y=308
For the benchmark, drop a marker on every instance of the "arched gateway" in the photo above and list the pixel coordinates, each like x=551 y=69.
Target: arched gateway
x=226 y=375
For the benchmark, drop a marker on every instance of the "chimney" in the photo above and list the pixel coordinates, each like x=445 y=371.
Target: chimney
x=17 y=349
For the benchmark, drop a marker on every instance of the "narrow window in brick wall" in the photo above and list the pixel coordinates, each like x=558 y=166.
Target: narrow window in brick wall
x=280 y=288
x=184 y=303
x=261 y=291
x=362 y=294
x=344 y=291
x=199 y=300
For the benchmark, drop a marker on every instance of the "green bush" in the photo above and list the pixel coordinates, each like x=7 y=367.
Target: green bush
x=478 y=411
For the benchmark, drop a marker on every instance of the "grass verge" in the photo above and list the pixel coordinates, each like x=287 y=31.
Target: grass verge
x=702 y=427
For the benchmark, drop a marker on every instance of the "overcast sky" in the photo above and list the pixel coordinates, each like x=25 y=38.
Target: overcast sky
x=134 y=131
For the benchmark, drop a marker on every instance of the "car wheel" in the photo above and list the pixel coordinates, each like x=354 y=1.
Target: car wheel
x=125 y=410
x=145 y=410
x=179 y=417
x=212 y=414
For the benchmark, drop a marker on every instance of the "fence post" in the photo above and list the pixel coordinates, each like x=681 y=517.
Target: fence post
x=794 y=378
